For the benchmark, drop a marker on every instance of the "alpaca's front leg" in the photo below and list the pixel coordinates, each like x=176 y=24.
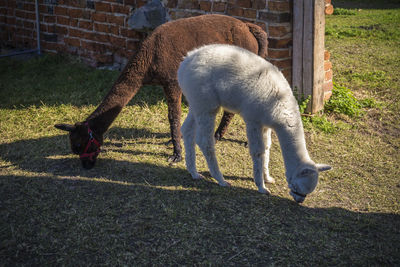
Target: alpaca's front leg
x=267 y=143
x=189 y=133
x=257 y=152
x=205 y=140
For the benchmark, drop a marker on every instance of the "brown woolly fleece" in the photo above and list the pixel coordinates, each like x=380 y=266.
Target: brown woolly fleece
x=157 y=62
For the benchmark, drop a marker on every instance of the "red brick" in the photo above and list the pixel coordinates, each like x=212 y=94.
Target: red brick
x=49 y=19
x=29 y=6
x=274 y=17
x=43 y=9
x=62 y=20
x=12 y=4
x=98 y=27
x=327 y=86
x=282 y=64
x=72 y=41
x=133 y=3
x=118 y=41
x=279 y=6
x=327 y=55
x=28 y=24
x=20 y=13
x=170 y=4
x=250 y=13
x=73 y=22
x=43 y=27
x=188 y=4
x=10 y=20
x=219 y=7
x=205 y=6
x=140 y=3
x=86 y=24
x=19 y=22
x=75 y=13
x=278 y=30
x=10 y=12
x=51 y=46
x=114 y=30
x=104 y=38
x=99 y=17
x=122 y=9
x=328 y=75
x=279 y=43
x=104 y=7
x=77 y=33
x=244 y=3
x=3 y=19
x=119 y=20
x=94 y=46
x=278 y=53
x=62 y=11
x=259 y=4
x=61 y=30
x=235 y=11
x=327 y=65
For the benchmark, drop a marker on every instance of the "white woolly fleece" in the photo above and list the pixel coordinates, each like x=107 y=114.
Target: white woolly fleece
x=239 y=81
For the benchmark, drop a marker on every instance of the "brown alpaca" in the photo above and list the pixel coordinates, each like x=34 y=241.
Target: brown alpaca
x=157 y=62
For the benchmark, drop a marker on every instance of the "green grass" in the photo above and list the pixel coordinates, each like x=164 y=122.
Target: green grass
x=134 y=208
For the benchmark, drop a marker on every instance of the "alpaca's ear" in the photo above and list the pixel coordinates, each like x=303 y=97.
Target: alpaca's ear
x=65 y=127
x=323 y=167
x=307 y=172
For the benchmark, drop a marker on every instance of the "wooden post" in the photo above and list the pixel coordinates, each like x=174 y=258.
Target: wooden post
x=308 y=51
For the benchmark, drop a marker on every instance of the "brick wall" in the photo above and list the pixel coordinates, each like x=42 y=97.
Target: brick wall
x=96 y=30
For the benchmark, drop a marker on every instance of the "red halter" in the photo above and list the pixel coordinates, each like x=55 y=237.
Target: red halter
x=91 y=141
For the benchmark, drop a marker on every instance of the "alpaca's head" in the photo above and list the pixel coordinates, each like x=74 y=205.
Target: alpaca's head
x=305 y=179
x=84 y=142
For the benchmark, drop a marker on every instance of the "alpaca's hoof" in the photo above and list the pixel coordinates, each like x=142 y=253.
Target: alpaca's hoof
x=197 y=176
x=264 y=190
x=169 y=142
x=175 y=158
x=217 y=136
x=224 y=184
x=270 y=180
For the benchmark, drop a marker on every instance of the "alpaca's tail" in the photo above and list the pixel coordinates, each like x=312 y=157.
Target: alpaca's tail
x=261 y=37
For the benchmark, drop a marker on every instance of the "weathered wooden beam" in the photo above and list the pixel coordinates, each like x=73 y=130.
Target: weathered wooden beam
x=308 y=51
x=318 y=56
x=297 y=64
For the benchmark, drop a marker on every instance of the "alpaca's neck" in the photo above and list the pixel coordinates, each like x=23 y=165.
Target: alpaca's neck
x=123 y=90
x=293 y=146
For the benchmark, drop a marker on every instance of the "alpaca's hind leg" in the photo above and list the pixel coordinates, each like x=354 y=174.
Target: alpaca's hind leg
x=173 y=95
x=267 y=143
x=189 y=134
x=223 y=125
x=257 y=152
x=205 y=140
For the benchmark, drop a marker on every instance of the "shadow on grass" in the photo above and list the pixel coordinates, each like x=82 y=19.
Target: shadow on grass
x=366 y=4
x=122 y=212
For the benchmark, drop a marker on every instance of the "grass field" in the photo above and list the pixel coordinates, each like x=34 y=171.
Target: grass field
x=134 y=208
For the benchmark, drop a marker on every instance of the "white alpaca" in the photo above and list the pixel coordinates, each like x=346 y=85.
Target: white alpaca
x=215 y=76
